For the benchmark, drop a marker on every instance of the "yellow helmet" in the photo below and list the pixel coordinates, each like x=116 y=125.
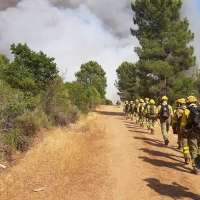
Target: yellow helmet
x=178 y=101
x=182 y=101
x=191 y=99
x=136 y=100
x=152 y=101
x=141 y=101
x=164 y=98
x=126 y=101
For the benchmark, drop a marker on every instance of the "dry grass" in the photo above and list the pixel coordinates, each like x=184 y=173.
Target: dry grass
x=67 y=164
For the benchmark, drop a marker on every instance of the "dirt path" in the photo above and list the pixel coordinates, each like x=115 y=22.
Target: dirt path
x=129 y=164
x=141 y=166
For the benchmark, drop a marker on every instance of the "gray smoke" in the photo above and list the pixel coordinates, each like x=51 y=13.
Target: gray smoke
x=189 y=10
x=77 y=31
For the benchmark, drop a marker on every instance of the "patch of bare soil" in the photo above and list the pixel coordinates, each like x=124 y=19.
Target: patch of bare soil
x=116 y=160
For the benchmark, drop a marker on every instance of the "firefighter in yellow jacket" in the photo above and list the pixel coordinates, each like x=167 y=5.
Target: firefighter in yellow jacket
x=136 y=110
x=176 y=123
x=165 y=114
x=141 y=113
x=146 y=120
x=191 y=130
x=126 y=109
x=151 y=113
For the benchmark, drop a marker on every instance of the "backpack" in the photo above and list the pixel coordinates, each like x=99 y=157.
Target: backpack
x=164 y=112
x=127 y=106
x=141 y=108
x=152 y=110
x=131 y=107
x=145 y=107
x=135 y=107
x=152 y=114
x=194 y=119
x=179 y=115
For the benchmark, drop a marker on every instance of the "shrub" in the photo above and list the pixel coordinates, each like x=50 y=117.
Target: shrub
x=15 y=139
x=32 y=121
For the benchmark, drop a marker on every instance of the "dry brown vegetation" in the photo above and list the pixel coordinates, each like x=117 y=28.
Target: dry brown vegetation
x=63 y=165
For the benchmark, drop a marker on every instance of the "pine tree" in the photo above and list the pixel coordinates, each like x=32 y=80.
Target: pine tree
x=164 y=52
x=126 y=83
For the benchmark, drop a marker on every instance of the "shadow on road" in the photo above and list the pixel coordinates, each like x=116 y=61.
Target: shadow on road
x=161 y=154
x=110 y=113
x=157 y=143
x=175 y=191
x=177 y=165
x=162 y=163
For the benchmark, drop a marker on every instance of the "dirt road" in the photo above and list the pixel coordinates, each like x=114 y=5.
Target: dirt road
x=143 y=167
x=134 y=164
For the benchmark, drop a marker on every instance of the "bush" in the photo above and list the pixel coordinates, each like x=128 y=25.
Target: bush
x=32 y=121
x=83 y=96
x=57 y=105
x=15 y=140
x=108 y=102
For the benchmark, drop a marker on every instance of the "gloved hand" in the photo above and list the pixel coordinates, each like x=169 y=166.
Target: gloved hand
x=175 y=131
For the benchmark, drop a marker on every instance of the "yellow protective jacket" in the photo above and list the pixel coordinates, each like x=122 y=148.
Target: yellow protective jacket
x=176 y=120
x=171 y=113
x=147 y=111
x=141 y=108
x=124 y=108
x=184 y=118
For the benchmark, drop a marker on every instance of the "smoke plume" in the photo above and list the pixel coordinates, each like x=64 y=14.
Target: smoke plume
x=77 y=31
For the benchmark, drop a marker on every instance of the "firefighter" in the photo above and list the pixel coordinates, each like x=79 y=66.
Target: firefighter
x=151 y=114
x=131 y=110
x=136 y=110
x=165 y=114
x=126 y=109
x=176 y=122
x=118 y=103
x=140 y=111
x=182 y=140
x=189 y=127
x=145 y=107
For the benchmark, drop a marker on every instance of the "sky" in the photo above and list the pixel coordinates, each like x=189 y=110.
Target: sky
x=77 y=31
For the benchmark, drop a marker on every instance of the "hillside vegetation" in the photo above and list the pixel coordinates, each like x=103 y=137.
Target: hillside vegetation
x=35 y=97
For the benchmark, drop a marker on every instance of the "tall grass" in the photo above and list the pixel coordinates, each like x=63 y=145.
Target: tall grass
x=63 y=163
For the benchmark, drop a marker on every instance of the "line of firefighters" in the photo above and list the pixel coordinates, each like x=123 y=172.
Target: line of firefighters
x=146 y=113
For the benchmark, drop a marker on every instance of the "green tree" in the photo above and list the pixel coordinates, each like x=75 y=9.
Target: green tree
x=4 y=61
x=83 y=96
x=92 y=73
x=127 y=81
x=30 y=71
x=164 y=51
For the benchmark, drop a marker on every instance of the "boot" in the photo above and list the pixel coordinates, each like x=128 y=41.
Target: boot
x=166 y=141
x=152 y=132
x=195 y=171
x=187 y=160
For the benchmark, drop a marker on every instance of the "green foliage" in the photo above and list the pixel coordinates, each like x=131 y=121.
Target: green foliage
x=30 y=71
x=56 y=103
x=83 y=96
x=30 y=122
x=108 y=102
x=164 y=53
x=12 y=104
x=4 y=61
x=14 y=139
x=127 y=81
x=92 y=73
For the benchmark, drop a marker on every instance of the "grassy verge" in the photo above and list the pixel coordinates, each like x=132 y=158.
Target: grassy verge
x=67 y=164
